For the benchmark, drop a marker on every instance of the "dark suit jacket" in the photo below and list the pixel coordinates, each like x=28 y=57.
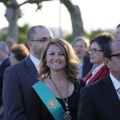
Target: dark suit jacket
x=3 y=66
x=18 y=80
x=99 y=101
x=99 y=75
x=87 y=66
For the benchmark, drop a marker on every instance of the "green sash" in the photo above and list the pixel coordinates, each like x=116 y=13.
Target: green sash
x=50 y=101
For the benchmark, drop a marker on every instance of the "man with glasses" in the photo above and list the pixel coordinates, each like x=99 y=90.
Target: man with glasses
x=96 y=57
x=101 y=100
x=19 y=78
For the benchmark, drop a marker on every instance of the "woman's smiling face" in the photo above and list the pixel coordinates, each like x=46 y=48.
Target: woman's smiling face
x=55 y=58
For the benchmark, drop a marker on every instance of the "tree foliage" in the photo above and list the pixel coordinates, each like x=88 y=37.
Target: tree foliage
x=90 y=35
x=13 y=14
x=22 y=33
x=93 y=33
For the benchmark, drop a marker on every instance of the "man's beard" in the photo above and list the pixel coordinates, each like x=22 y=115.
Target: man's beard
x=38 y=53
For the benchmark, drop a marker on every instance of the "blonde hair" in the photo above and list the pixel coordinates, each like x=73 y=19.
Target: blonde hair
x=81 y=38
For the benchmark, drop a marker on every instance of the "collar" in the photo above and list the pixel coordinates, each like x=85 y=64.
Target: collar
x=115 y=82
x=35 y=61
x=97 y=69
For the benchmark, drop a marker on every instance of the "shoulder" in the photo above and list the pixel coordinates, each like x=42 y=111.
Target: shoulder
x=16 y=68
x=79 y=85
x=6 y=63
x=95 y=87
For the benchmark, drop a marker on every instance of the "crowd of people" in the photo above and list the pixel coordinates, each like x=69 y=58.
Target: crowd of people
x=52 y=79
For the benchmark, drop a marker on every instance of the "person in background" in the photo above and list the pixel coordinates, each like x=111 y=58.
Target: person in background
x=56 y=96
x=81 y=45
x=10 y=42
x=18 y=52
x=19 y=78
x=117 y=35
x=101 y=100
x=4 y=63
x=96 y=57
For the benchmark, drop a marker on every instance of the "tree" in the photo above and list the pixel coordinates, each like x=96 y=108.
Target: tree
x=13 y=14
x=76 y=19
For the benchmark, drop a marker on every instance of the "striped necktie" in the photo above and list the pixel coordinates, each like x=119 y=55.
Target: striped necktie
x=118 y=91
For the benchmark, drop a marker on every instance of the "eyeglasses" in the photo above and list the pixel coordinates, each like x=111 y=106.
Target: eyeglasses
x=42 y=40
x=117 y=55
x=94 y=50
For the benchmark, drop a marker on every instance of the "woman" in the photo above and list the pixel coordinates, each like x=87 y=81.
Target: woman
x=96 y=57
x=56 y=96
x=18 y=52
x=80 y=45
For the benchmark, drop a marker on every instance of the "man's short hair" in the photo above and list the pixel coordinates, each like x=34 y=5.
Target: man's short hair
x=118 y=25
x=108 y=49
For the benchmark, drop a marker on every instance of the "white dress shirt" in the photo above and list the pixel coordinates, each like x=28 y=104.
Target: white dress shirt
x=35 y=61
x=116 y=84
x=80 y=66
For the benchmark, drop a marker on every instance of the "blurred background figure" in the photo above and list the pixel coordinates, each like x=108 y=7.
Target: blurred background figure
x=96 y=57
x=117 y=35
x=10 y=41
x=80 y=45
x=18 y=53
x=4 y=63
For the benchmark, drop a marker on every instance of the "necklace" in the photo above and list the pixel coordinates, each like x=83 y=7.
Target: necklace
x=67 y=116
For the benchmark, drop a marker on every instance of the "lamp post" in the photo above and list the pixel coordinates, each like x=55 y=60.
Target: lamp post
x=60 y=30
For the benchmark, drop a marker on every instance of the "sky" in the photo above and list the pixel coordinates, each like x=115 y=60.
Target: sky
x=103 y=14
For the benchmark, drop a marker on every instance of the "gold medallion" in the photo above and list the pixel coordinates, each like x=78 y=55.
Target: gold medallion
x=52 y=103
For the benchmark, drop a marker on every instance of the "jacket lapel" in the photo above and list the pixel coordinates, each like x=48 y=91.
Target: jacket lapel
x=111 y=92
x=30 y=68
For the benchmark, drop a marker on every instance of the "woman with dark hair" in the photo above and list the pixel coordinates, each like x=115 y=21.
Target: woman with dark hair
x=96 y=57
x=56 y=96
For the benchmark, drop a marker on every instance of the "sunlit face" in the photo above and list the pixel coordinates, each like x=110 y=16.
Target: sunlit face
x=117 y=33
x=97 y=57
x=13 y=60
x=80 y=49
x=114 y=63
x=55 y=58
